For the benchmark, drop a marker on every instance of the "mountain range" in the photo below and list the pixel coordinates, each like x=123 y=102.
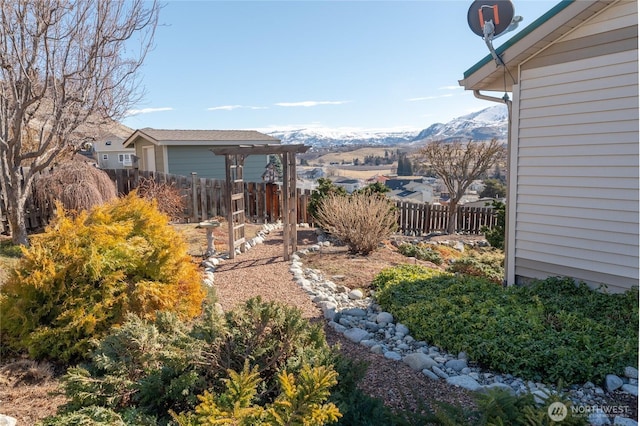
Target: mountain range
x=482 y=125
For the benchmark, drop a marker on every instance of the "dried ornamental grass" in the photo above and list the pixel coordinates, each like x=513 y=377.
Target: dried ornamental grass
x=361 y=221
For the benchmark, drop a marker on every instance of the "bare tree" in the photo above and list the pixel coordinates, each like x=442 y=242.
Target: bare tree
x=66 y=67
x=458 y=165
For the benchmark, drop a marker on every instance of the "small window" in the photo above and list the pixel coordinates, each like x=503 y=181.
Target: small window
x=107 y=143
x=105 y=157
x=125 y=159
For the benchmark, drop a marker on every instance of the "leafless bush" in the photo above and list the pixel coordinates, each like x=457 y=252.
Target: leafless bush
x=361 y=221
x=170 y=201
x=78 y=185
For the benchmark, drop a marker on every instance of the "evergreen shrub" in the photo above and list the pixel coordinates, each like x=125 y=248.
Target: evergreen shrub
x=84 y=274
x=548 y=331
x=487 y=264
x=153 y=368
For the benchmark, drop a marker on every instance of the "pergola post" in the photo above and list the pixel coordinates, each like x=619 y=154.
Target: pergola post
x=234 y=161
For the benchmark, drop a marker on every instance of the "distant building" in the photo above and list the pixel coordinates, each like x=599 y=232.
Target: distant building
x=349 y=185
x=182 y=152
x=108 y=151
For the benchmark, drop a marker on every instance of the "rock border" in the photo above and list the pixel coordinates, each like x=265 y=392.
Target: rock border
x=364 y=322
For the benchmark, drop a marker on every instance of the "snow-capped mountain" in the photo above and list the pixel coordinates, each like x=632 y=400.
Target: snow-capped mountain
x=322 y=137
x=482 y=125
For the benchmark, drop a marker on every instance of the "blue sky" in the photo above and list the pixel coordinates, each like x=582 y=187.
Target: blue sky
x=278 y=65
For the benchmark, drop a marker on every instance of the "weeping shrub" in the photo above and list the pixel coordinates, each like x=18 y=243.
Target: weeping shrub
x=76 y=184
x=85 y=273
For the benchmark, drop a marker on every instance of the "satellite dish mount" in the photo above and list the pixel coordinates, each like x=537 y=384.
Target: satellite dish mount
x=490 y=19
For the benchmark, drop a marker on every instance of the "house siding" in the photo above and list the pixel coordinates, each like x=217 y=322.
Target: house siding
x=158 y=152
x=576 y=158
x=183 y=160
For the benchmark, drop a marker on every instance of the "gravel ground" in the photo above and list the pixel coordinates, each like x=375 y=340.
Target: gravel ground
x=262 y=271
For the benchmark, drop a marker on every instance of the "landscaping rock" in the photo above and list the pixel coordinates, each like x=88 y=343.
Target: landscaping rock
x=598 y=418
x=497 y=385
x=356 y=334
x=402 y=329
x=7 y=421
x=632 y=389
x=384 y=318
x=419 y=361
x=612 y=382
x=430 y=374
x=623 y=421
x=456 y=364
x=355 y=312
x=355 y=294
x=439 y=372
x=393 y=355
x=631 y=372
x=377 y=349
x=465 y=382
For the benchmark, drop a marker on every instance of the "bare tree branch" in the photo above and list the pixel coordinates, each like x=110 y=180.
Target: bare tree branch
x=458 y=165
x=66 y=67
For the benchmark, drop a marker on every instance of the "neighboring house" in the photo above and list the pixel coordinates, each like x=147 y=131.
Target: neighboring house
x=399 y=183
x=108 y=151
x=413 y=191
x=424 y=196
x=349 y=185
x=182 y=152
x=574 y=132
x=313 y=174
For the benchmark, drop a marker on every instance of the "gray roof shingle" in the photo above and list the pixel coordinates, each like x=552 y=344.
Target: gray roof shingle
x=207 y=135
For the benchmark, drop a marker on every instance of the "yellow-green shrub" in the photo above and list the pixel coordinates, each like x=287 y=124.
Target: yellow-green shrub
x=84 y=274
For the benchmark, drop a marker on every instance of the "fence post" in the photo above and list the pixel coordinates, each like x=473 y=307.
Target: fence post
x=194 y=196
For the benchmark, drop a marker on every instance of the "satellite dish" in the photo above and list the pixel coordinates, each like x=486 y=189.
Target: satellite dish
x=490 y=19
x=497 y=15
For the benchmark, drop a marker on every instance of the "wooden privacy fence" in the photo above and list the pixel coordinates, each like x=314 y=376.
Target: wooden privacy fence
x=204 y=199
x=419 y=218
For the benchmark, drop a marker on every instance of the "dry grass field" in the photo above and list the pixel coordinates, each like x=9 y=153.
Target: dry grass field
x=349 y=156
x=357 y=173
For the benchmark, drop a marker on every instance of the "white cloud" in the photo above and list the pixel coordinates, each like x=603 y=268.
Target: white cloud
x=427 y=98
x=450 y=88
x=232 y=107
x=310 y=103
x=147 y=110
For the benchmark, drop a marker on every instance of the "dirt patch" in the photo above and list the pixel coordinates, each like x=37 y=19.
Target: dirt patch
x=29 y=391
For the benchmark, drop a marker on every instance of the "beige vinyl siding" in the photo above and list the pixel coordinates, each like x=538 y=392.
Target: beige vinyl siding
x=620 y=15
x=577 y=171
x=182 y=160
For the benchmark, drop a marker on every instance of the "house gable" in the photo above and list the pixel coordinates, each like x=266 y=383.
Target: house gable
x=573 y=200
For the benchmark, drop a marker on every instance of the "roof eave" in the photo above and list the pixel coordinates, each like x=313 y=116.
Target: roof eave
x=136 y=135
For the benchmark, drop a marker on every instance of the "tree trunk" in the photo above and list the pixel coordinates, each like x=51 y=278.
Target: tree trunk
x=16 y=200
x=453 y=210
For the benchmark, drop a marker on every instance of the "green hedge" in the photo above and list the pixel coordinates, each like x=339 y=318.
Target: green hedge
x=551 y=330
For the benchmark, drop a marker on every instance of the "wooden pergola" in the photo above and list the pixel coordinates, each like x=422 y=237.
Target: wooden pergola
x=234 y=163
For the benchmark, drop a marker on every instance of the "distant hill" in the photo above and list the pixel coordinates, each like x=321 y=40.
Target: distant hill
x=482 y=125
